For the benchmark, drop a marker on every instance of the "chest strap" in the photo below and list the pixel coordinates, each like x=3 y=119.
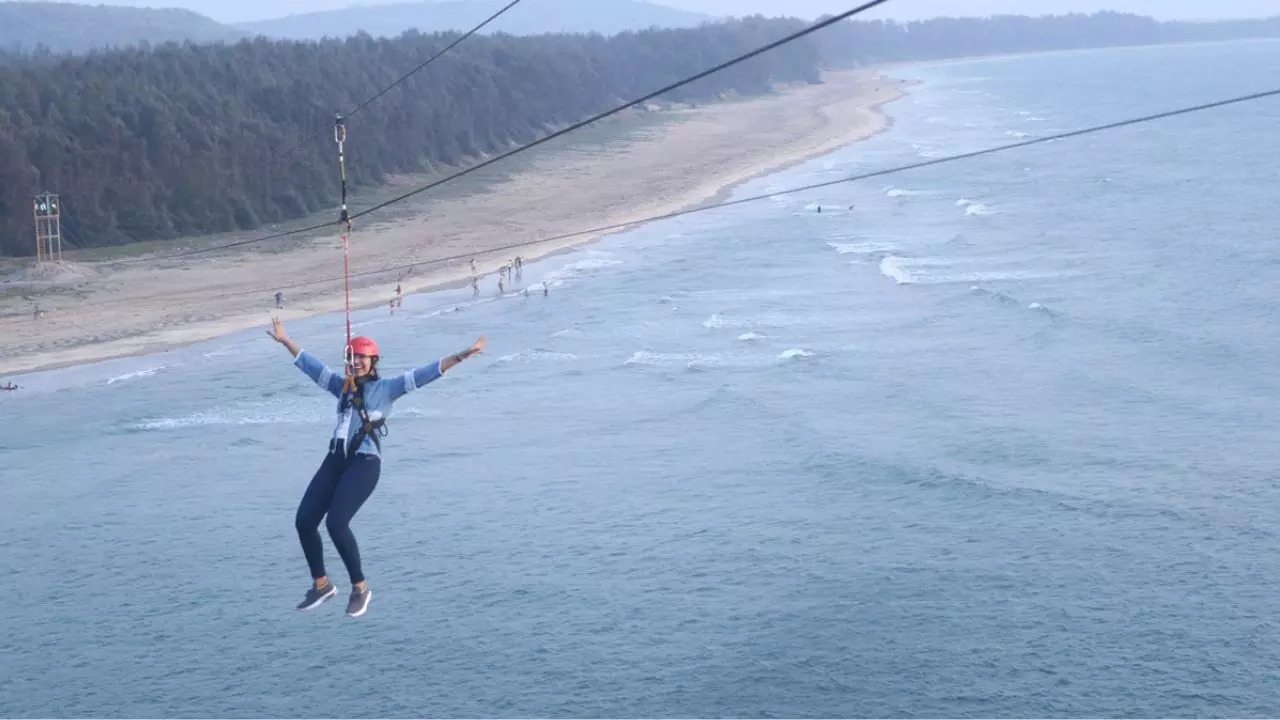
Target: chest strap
x=368 y=428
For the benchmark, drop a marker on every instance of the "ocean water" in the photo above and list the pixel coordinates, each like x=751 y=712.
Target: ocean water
x=1000 y=440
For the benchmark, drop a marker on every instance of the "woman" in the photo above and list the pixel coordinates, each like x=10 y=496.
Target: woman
x=350 y=470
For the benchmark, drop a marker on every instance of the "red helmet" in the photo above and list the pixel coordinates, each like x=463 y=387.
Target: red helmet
x=361 y=345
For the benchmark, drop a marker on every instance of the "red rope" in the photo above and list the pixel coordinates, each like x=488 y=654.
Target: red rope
x=340 y=137
x=346 y=282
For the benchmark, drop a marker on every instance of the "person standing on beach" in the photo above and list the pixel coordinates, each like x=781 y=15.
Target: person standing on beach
x=279 y=299
x=350 y=471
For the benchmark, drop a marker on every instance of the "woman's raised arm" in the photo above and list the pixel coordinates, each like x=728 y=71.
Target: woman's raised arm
x=306 y=362
x=432 y=371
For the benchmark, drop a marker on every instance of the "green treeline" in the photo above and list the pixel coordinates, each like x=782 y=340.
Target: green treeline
x=155 y=143
x=178 y=140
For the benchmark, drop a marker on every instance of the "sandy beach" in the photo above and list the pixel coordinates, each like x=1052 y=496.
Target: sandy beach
x=653 y=163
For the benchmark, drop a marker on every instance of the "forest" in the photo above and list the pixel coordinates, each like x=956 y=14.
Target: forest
x=160 y=142
x=156 y=143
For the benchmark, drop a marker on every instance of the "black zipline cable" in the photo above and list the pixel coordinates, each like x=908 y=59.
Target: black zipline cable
x=673 y=86
x=740 y=201
x=661 y=91
x=401 y=79
x=814 y=186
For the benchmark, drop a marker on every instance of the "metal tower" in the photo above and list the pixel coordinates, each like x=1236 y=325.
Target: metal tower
x=48 y=227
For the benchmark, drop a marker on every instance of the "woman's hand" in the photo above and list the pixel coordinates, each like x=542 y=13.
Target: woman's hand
x=277 y=331
x=476 y=348
x=278 y=334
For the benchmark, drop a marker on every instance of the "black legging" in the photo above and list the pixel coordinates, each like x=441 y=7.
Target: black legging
x=338 y=489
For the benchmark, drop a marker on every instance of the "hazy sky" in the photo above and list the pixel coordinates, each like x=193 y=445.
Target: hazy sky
x=242 y=10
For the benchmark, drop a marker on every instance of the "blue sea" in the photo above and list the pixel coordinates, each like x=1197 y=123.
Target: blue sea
x=990 y=438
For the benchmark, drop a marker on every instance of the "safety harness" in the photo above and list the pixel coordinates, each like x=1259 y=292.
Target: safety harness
x=354 y=397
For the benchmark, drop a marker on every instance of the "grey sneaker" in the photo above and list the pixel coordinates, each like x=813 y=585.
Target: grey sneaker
x=315 y=595
x=359 y=602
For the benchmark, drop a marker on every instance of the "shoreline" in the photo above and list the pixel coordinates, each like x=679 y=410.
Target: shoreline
x=793 y=125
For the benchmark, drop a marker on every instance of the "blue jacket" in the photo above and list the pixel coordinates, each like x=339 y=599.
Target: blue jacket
x=379 y=395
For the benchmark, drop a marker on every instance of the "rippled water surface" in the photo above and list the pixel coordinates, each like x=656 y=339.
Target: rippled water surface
x=998 y=440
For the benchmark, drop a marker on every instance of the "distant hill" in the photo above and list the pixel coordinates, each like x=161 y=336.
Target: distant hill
x=536 y=17
x=66 y=27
